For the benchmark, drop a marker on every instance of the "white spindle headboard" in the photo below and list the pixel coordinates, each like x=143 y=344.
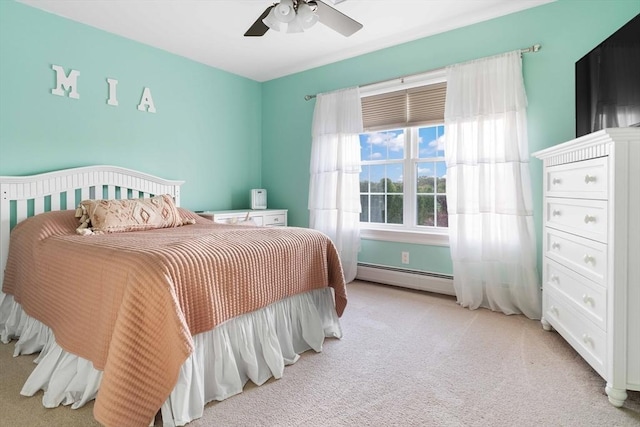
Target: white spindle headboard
x=24 y=196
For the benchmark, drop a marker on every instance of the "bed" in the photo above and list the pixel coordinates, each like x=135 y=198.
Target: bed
x=153 y=320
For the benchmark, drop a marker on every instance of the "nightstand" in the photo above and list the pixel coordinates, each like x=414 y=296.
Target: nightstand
x=262 y=217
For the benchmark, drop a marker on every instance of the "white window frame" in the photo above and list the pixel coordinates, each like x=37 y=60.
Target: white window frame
x=403 y=233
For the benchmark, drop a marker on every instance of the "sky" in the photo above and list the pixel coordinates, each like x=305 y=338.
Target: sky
x=390 y=145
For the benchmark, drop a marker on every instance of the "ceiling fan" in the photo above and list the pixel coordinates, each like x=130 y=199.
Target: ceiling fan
x=295 y=16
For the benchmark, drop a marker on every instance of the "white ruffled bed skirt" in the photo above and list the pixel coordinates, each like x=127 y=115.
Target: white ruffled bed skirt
x=254 y=346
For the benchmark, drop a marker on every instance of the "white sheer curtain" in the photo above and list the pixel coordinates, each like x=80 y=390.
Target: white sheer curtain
x=334 y=189
x=492 y=237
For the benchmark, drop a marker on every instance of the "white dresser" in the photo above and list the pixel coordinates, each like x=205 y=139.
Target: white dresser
x=262 y=217
x=591 y=249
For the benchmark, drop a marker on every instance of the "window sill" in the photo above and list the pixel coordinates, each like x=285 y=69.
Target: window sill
x=431 y=238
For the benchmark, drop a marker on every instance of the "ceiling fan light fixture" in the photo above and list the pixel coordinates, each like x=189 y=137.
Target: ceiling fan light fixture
x=295 y=26
x=295 y=16
x=285 y=11
x=271 y=21
x=307 y=16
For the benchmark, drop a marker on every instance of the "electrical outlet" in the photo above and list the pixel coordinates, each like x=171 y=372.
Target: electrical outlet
x=405 y=257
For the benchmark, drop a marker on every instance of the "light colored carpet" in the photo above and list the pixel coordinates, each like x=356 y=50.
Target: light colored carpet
x=407 y=359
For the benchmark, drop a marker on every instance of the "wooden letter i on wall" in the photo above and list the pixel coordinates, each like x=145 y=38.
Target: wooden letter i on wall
x=113 y=96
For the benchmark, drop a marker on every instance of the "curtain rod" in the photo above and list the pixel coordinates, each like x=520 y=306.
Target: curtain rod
x=534 y=48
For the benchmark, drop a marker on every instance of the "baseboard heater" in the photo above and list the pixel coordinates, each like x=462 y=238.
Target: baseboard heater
x=406 y=278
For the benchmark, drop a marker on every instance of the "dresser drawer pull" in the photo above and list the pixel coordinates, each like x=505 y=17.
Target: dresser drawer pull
x=587 y=299
x=555 y=245
x=590 y=178
x=556 y=181
x=555 y=279
x=587 y=339
x=589 y=218
x=589 y=259
x=556 y=212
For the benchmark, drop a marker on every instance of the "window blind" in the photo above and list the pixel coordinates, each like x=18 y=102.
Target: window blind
x=418 y=106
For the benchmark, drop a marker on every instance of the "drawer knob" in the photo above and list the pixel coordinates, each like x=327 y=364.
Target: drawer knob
x=556 y=181
x=589 y=178
x=587 y=299
x=589 y=259
x=553 y=309
x=589 y=218
x=587 y=339
x=555 y=212
x=555 y=245
x=555 y=279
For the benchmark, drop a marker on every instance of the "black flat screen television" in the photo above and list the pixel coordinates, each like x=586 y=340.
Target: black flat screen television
x=608 y=82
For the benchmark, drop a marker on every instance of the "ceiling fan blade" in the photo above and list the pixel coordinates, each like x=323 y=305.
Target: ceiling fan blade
x=337 y=20
x=259 y=28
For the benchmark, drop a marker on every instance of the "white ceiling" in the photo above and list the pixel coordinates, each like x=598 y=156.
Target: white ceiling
x=211 y=31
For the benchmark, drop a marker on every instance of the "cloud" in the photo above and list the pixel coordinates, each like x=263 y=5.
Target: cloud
x=433 y=147
x=438 y=143
x=394 y=141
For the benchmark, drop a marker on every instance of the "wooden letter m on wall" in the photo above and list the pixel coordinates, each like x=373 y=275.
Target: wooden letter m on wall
x=66 y=82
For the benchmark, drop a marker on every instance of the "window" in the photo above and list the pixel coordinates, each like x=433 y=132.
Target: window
x=403 y=178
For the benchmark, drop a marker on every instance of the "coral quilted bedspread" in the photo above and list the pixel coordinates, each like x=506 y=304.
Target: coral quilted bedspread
x=130 y=302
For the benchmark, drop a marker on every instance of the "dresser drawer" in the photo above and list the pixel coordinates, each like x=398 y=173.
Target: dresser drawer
x=588 y=340
x=586 y=296
x=584 y=256
x=586 y=179
x=274 y=220
x=586 y=218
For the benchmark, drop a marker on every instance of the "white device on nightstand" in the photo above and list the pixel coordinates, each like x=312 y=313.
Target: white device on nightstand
x=258 y=198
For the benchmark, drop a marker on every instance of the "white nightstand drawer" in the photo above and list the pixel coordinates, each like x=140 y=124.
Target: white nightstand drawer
x=275 y=220
x=239 y=220
x=586 y=296
x=260 y=217
x=586 y=218
x=584 y=256
x=589 y=340
x=586 y=179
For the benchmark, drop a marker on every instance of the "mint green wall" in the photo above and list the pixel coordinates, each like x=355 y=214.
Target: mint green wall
x=207 y=129
x=439 y=257
x=566 y=29
x=225 y=134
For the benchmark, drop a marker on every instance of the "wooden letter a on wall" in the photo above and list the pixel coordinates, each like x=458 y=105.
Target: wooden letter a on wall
x=146 y=102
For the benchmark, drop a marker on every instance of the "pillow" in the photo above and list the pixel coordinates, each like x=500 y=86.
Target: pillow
x=113 y=216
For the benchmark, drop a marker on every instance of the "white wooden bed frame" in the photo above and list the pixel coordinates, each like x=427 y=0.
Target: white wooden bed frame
x=64 y=189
